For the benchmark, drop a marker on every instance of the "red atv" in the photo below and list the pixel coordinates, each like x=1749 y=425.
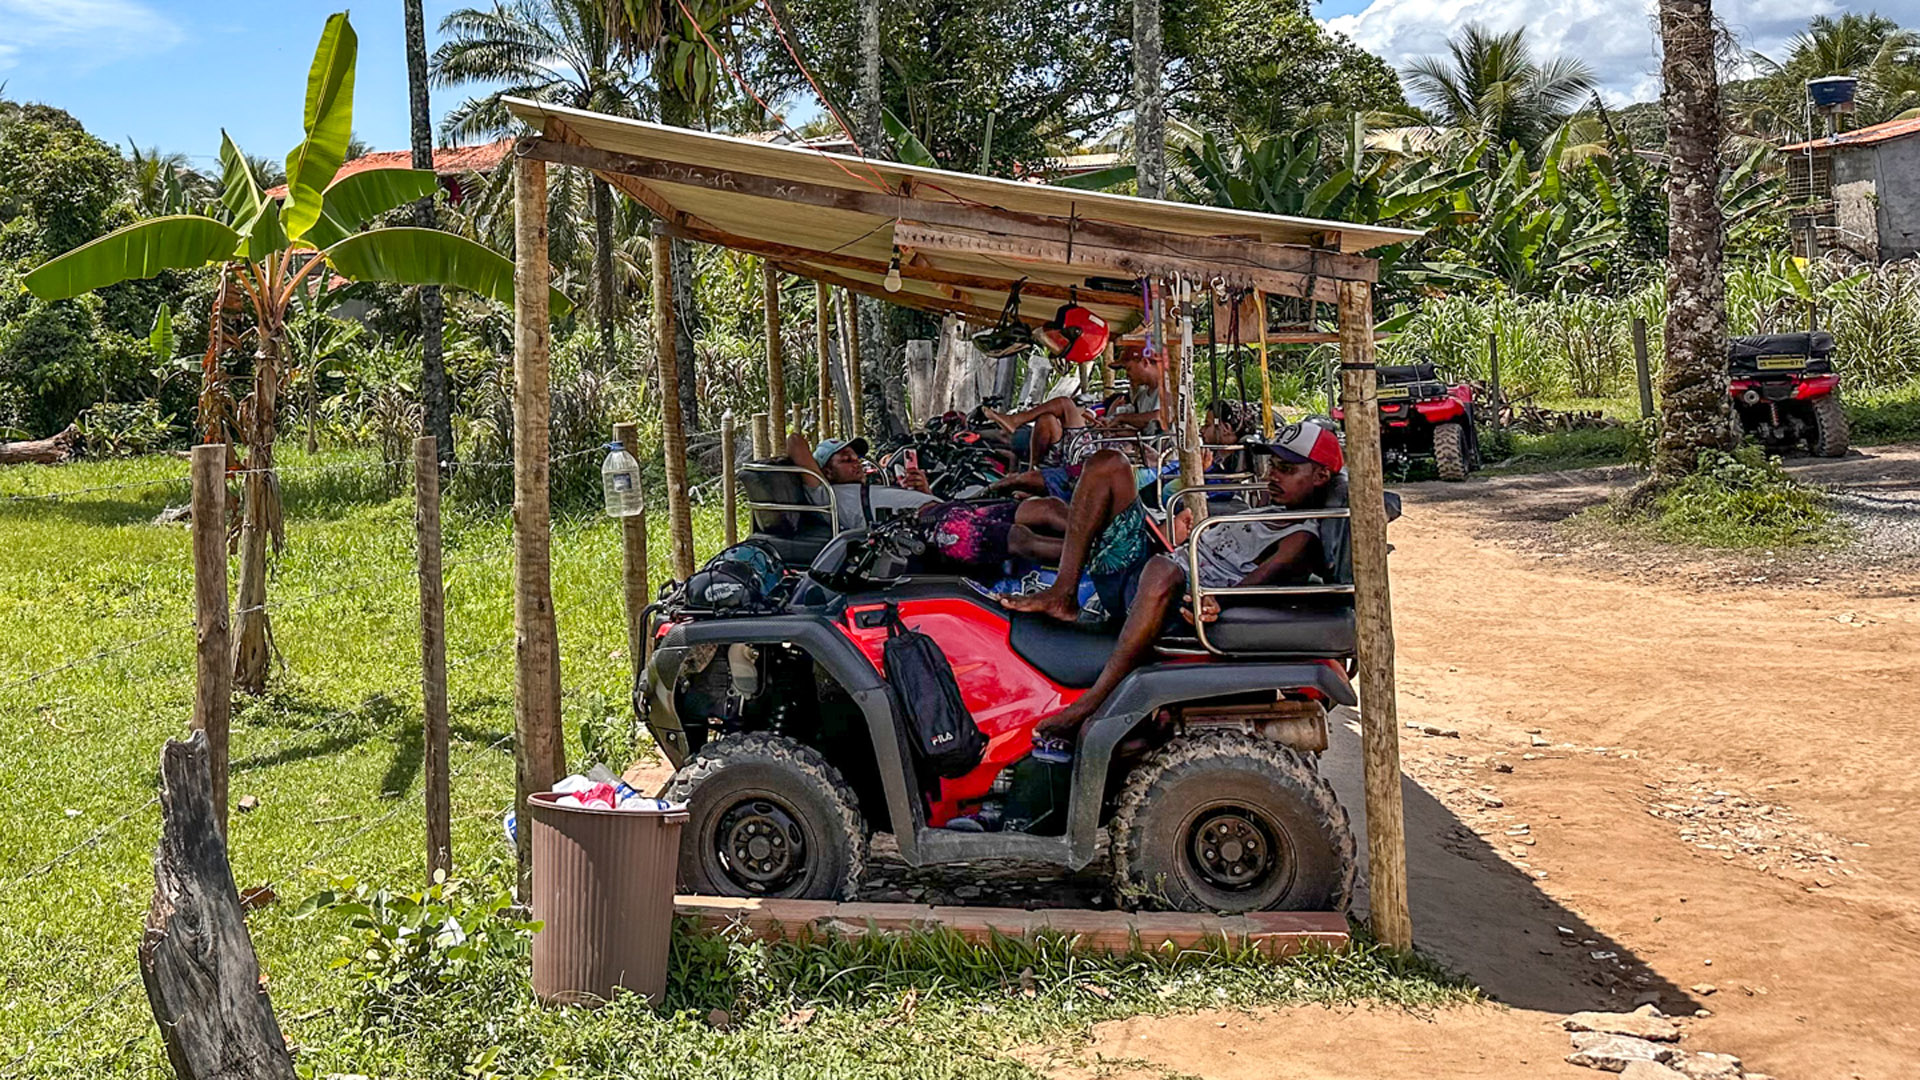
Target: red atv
x=1426 y=417
x=1785 y=392
x=792 y=750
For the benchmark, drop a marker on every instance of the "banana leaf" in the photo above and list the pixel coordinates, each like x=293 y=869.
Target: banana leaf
x=328 y=123
x=354 y=200
x=413 y=256
x=141 y=250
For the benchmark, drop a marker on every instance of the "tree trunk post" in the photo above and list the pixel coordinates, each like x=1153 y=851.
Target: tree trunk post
x=1192 y=474
x=850 y=362
x=776 y=354
x=603 y=286
x=198 y=965
x=433 y=655
x=823 y=349
x=633 y=567
x=1642 y=368
x=539 y=749
x=1373 y=611
x=727 y=496
x=213 y=673
x=762 y=436
x=434 y=400
x=1493 y=376
x=673 y=426
x=1149 y=101
x=1266 y=381
x=253 y=640
x=1693 y=381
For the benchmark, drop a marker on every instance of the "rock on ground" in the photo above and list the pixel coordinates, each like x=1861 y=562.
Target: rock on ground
x=1705 y=1066
x=1645 y=1022
x=1613 y=1053
x=1649 y=1070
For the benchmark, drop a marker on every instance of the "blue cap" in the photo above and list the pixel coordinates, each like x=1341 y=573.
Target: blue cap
x=829 y=447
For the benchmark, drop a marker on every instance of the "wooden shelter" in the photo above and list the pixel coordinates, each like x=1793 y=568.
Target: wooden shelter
x=961 y=243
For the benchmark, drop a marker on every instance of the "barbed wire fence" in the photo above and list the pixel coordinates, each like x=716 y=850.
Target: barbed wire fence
x=73 y=1028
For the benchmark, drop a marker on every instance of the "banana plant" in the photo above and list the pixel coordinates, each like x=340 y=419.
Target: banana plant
x=271 y=250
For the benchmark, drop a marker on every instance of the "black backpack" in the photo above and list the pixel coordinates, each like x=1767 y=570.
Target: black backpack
x=944 y=737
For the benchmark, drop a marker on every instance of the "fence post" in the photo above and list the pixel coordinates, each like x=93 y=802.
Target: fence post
x=213 y=682
x=776 y=352
x=726 y=478
x=634 y=574
x=1493 y=376
x=1641 y=369
x=433 y=655
x=1373 y=612
x=763 y=436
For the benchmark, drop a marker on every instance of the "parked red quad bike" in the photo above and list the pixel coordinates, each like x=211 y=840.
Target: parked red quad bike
x=1785 y=392
x=1425 y=417
x=791 y=748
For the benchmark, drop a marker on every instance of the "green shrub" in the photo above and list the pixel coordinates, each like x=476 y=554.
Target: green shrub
x=1743 y=500
x=128 y=428
x=1885 y=416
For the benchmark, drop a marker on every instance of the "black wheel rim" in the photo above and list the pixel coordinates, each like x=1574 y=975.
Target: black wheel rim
x=1237 y=849
x=760 y=846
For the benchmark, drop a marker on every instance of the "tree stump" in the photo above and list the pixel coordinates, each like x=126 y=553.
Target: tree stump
x=200 y=971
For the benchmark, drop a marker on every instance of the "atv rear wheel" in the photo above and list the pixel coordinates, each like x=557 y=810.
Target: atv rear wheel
x=767 y=816
x=1829 y=427
x=1223 y=821
x=1450 y=451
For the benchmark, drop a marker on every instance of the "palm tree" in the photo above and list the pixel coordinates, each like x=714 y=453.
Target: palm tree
x=560 y=51
x=1149 y=100
x=435 y=402
x=1693 y=381
x=1491 y=86
x=164 y=183
x=1884 y=56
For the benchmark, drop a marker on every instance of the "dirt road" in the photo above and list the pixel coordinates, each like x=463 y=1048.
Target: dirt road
x=1667 y=776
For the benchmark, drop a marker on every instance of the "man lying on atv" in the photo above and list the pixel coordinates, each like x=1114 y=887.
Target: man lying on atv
x=1047 y=423
x=1111 y=538
x=841 y=462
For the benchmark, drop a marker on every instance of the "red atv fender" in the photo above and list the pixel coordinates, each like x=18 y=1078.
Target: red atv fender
x=1805 y=387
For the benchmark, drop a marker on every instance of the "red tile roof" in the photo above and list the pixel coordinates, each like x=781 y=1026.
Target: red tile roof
x=447 y=161
x=1866 y=136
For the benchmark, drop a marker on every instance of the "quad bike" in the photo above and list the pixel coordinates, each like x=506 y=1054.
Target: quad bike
x=1426 y=417
x=792 y=748
x=1785 y=392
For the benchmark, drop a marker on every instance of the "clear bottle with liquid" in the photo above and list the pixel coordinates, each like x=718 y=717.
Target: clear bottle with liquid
x=620 y=482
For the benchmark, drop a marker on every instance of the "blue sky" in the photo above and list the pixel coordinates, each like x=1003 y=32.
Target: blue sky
x=169 y=73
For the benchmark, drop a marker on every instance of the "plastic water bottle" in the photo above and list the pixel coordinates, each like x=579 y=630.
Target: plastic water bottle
x=620 y=482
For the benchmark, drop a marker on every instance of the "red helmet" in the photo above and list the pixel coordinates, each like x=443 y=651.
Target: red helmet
x=1075 y=334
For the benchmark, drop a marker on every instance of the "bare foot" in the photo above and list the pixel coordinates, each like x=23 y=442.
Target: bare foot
x=1061 y=605
x=998 y=417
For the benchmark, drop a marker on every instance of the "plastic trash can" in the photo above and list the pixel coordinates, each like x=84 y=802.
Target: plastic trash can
x=603 y=885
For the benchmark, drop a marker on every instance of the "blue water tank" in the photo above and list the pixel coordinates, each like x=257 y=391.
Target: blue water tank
x=1832 y=91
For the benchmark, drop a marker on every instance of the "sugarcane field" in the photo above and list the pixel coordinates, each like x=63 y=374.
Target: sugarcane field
x=1239 y=540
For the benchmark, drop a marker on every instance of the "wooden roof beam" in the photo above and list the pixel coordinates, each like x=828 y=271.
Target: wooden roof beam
x=905 y=297
x=1286 y=258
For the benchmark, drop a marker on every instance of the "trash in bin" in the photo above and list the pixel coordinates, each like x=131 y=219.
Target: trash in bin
x=603 y=885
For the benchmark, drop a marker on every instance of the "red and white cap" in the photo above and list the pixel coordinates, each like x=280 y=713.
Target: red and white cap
x=1308 y=442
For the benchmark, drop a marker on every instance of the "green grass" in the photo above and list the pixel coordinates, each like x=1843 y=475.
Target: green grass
x=1740 y=501
x=332 y=755
x=1891 y=416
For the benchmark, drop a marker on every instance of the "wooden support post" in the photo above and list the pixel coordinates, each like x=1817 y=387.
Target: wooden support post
x=727 y=516
x=1266 y=382
x=850 y=310
x=1192 y=475
x=197 y=962
x=776 y=354
x=213 y=670
x=673 y=427
x=763 y=436
x=433 y=655
x=633 y=567
x=1642 y=368
x=1493 y=376
x=539 y=751
x=1373 y=611
x=823 y=351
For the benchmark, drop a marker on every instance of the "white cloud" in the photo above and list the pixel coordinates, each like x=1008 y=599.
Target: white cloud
x=82 y=33
x=1617 y=38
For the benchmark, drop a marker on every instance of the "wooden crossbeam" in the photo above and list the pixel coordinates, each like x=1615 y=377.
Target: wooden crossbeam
x=920 y=203
x=904 y=298
x=1274 y=933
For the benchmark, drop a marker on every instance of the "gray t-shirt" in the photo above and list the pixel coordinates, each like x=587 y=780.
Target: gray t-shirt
x=886 y=502
x=1228 y=553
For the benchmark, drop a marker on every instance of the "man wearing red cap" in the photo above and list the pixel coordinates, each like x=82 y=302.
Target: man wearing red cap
x=1110 y=537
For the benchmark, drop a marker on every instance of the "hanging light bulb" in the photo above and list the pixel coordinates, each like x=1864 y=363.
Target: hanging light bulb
x=893 y=272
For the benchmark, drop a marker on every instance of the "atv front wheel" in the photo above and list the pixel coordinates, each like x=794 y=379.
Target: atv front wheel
x=1450 y=451
x=1223 y=821
x=767 y=816
x=1829 y=427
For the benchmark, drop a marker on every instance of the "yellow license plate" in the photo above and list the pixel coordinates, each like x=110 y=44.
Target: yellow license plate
x=1782 y=363
x=1393 y=393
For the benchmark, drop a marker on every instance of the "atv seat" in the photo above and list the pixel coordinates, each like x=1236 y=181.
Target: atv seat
x=1070 y=654
x=1317 y=632
x=1408 y=373
x=784 y=515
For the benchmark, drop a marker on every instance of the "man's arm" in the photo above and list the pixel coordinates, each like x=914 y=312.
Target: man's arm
x=1292 y=557
x=802 y=455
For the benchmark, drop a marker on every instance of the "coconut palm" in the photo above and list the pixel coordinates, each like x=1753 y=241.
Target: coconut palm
x=1875 y=49
x=559 y=51
x=1490 y=85
x=164 y=183
x=435 y=403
